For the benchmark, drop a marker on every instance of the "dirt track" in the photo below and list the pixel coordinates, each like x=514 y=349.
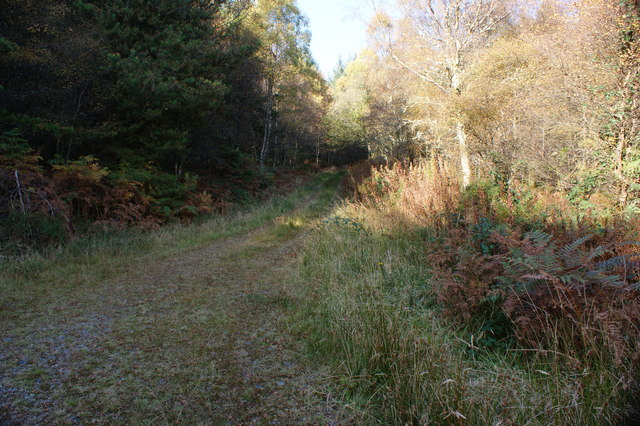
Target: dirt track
x=196 y=338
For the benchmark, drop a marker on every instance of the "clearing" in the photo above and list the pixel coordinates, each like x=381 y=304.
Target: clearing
x=181 y=326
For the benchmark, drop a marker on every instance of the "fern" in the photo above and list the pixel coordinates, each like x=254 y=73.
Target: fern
x=539 y=260
x=539 y=238
x=620 y=261
x=628 y=243
x=627 y=264
x=570 y=249
x=597 y=252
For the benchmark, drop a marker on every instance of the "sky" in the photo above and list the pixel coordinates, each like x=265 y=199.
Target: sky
x=338 y=29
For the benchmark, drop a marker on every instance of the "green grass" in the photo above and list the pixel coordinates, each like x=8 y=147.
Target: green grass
x=36 y=276
x=369 y=309
x=170 y=326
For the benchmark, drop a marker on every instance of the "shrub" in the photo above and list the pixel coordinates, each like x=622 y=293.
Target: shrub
x=89 y=191
x=419 y=194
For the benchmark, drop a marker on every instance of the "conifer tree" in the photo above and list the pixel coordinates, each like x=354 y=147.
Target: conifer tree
x=164 y=60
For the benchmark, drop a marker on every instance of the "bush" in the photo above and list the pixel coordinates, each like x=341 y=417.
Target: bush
x=419 y=193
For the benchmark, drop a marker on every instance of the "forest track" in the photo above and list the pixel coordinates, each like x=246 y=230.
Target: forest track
x=195 y=338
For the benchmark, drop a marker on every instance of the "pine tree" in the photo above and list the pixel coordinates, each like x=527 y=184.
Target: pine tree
x=164 y=59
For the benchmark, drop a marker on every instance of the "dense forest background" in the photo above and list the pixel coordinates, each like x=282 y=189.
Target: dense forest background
x=543 y=92
x=116 y=112
x=136 y=111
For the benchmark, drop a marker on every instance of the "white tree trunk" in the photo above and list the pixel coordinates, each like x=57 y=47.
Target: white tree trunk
x=267 y=126
x=275 y=143
x=465 y=166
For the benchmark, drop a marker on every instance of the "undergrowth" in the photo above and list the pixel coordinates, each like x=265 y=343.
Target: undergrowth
x=47 y=204
x=488 y=306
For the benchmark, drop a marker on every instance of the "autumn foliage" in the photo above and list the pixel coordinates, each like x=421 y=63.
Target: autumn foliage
x=514 y=262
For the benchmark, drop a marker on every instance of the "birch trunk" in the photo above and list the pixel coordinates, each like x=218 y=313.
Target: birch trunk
x=465 y=166
x=628 y=131
x=275 y=143
x=267 y=126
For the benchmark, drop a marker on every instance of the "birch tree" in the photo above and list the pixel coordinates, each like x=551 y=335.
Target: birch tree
x=434 y=40
x=282 y=30
x=625 y=116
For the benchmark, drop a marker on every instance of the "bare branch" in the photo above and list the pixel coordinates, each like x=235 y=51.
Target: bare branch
x=418 y=73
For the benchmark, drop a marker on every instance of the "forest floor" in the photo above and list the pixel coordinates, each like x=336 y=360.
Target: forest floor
x=188 y=329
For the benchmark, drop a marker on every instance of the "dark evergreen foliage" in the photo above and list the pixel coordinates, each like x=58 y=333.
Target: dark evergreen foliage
x=151 y=94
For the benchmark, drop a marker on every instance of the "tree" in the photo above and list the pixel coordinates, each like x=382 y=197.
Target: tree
x=531 y=103
x=301 y=105
x=165 y=63
x=50 y=69
x=284 y=37
x=345 y=117
x=434 y=41
x=624 y=126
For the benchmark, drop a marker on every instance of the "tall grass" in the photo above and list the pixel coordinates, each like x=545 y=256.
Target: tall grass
x=414 y=195
x=373 y=308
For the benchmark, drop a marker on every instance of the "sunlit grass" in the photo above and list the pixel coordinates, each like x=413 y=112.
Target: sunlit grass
x=370 y=310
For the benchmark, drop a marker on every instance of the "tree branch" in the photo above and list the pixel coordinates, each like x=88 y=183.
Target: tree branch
x=418 y=73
